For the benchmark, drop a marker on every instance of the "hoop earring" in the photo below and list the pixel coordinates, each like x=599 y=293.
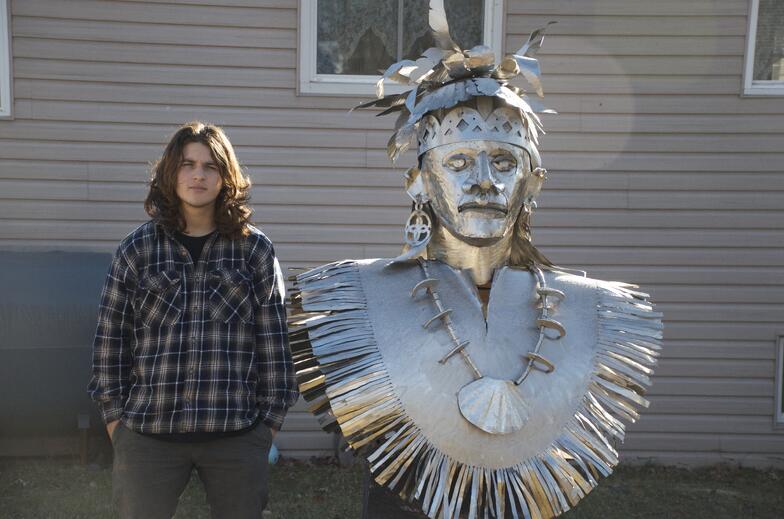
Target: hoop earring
x=419 y=226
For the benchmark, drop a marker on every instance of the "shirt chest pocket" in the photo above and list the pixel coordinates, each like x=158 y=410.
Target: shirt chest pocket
x=230 y=296
x=158 y=300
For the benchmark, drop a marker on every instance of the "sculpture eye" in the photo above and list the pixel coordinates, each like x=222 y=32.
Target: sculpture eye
x=457 y=162
x=504 y=163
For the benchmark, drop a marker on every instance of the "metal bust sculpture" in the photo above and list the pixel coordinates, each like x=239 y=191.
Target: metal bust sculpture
x=477 y=378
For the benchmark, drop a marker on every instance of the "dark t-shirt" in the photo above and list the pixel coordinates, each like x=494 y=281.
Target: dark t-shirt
x=194 y=244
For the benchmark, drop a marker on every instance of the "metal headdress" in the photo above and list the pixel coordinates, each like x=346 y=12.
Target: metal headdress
x=462 y=95
x=446 y=76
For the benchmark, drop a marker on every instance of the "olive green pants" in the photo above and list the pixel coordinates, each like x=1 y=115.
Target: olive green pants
x=149 y=474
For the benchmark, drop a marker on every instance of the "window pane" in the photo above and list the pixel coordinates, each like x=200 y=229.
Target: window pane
x=769 y=47
x=466 y=20
x=356 y=36
x=364 y=37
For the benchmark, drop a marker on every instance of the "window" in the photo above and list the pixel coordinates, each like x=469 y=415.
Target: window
x=5 y=61
x=764 y=74
x=779 y=414
x=344 y=43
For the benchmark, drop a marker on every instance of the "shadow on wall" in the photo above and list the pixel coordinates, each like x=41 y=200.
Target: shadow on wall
x=48 y=308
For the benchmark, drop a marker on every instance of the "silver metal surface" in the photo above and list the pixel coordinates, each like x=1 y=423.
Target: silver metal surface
x=494 y=406
x=445 y=315
x=441 y=434
x=553 y=325
x=476 y=188
x=426 y=283
x=476 y=191
x=535 y=360
x=483 y=123
x=457 y=349
x=539 y=362
x=440 y=315
x=488 y=403
x=418 y=227
x=479 y=262
x=418 y=436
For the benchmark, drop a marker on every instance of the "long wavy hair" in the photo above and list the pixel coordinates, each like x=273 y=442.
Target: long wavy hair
x=232 y=213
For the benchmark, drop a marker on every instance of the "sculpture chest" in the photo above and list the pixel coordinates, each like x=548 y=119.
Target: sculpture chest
x=428 y=389
x=370 y=369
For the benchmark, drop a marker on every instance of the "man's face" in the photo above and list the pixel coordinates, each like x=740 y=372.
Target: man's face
x=476 y=188
x=198 y=178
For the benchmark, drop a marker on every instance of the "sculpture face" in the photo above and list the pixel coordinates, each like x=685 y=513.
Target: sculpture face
x=476 y=188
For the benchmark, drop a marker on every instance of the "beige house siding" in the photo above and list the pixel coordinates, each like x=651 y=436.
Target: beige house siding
x=659 y=172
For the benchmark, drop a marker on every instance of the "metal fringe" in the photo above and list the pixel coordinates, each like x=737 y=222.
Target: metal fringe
x=341 y=372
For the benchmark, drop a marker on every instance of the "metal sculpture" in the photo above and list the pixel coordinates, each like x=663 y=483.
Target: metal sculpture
x=477 y=378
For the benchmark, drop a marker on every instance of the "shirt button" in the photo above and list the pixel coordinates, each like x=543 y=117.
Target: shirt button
x=190 y=371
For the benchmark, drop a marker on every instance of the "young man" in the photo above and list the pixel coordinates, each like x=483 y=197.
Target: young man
x=191 y=364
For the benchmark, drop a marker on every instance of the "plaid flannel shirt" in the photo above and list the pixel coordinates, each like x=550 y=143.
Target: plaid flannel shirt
x=183 y=347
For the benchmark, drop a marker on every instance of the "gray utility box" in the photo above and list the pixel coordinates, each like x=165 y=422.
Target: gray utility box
x=48 y=308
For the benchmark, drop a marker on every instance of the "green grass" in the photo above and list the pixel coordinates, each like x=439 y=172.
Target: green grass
x=55 y=489
x=59 y=489
x=656 y=492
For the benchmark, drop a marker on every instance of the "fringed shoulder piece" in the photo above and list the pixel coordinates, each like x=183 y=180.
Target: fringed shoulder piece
x=629 y=341
x=339 y=368
x=341 y=373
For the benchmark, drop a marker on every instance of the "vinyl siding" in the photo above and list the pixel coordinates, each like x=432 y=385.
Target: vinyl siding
x=659 y=172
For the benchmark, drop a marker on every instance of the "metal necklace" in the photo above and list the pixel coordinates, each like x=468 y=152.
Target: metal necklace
x=494 y=405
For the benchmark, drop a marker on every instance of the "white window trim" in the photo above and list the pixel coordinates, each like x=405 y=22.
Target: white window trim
x=750 y=86
x=5 y=61
x=312 y=83
x=778 y=415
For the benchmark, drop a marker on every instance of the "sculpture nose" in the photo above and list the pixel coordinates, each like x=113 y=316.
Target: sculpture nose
x=482 y=177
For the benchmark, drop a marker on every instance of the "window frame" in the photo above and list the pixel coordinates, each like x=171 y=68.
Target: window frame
x=6 y=97
x=309 y=82
x=778 y=412
x=752 y=87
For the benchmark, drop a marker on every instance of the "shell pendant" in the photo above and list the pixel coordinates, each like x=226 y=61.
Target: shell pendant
x=493 y=405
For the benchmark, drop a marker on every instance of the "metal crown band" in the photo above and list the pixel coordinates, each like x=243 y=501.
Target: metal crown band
x=467 y=124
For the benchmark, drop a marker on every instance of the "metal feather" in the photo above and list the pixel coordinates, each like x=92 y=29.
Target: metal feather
x=529 y=68
x=446 y=97
x=393 y=73
x=534 y=43
x=440 y=26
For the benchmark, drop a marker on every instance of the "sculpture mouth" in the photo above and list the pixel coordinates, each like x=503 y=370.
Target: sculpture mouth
x=489 y=207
